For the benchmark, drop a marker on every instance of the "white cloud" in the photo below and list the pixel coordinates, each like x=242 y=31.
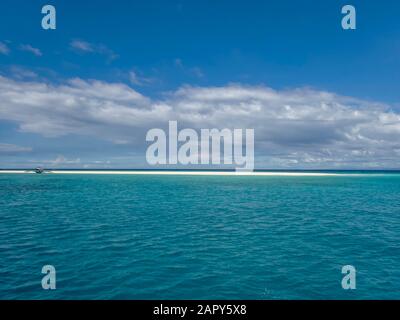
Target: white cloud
x=4 y=49
x=29 y=48
x=109 y=110
x=293 y=128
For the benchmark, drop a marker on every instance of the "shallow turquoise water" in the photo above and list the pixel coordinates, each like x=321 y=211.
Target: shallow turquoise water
x=199 y=237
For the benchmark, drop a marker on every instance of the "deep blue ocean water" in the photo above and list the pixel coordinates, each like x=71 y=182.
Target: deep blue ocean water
x=199 y=237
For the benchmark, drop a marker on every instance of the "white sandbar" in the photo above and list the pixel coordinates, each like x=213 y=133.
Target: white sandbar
x=179 y=172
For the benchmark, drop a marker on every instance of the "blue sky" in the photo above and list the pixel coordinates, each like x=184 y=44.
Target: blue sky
x=164 y=53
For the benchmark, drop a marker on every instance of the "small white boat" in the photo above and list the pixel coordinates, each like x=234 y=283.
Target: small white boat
x=39 y=170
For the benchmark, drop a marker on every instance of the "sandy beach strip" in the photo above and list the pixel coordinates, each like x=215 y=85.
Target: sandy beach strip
x=17 y=171
x=178 y=172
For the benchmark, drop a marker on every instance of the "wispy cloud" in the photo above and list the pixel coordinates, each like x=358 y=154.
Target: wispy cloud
x=81 y=45
x=87 y=47
x=4 y=49
x=6 y=148
x=178 y=62
x=29 y=48
x=61 y=160
x=20 y=73
x=293 y=128
x=197 y=72
x=193 y=71
x=139 y=80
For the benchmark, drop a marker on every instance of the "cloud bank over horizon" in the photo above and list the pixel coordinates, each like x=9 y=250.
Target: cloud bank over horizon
x=294 y=128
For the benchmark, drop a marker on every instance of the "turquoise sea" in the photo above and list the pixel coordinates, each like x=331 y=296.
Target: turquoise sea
x=199 y=237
